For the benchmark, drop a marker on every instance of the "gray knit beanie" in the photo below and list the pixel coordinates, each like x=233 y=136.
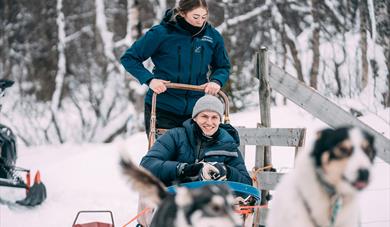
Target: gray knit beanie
x=208 y=103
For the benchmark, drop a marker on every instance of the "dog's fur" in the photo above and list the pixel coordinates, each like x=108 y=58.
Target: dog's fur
x=335 y=170
x=208 y=206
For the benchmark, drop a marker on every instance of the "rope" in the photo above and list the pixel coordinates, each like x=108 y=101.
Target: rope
x=258 y=170
x=257 y=184
x=144 y=211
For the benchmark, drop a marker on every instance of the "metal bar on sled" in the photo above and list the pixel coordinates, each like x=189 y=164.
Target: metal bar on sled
x=12 y=183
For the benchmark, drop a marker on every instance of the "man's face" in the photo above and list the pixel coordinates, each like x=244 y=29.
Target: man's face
x=208 y=121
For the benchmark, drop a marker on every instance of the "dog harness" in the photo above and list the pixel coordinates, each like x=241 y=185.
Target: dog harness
x=336 y=201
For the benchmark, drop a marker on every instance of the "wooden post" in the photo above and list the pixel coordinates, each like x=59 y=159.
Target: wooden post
x=263 y=153
x=265 y=99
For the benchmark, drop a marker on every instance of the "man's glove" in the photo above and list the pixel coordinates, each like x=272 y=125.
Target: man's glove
x=213 y=171
x=185 y=170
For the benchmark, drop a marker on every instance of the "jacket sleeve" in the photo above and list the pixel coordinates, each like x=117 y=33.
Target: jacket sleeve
x=158 y=159
x=220 y=64
x=141 y=50
x=237 y=170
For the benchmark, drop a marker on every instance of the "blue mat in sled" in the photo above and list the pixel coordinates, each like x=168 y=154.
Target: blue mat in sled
x=238 y=189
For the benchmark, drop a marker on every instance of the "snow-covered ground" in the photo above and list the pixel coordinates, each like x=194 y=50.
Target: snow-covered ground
x=87 y=177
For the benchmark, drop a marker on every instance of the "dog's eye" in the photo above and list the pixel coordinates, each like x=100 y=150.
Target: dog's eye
x=345 y=152
x=216 y=208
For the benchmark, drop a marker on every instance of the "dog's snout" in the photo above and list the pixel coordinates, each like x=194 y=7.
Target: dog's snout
x=363 y=175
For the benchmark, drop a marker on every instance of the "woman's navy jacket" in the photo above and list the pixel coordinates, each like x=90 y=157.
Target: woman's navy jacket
x=180 y=58
x=179 y=145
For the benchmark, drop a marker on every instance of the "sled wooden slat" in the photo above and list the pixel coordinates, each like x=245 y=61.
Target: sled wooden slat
x=290 y=137
x=284 y=137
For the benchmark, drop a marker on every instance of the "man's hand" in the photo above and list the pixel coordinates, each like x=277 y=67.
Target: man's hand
x=158 y=85
x=213 y=171
x=185 y=170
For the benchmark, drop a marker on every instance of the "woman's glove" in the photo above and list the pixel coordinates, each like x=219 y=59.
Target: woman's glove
x=213 y=171
x=185 y=170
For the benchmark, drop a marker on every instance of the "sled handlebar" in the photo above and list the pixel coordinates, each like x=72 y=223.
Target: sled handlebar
x=188 y=87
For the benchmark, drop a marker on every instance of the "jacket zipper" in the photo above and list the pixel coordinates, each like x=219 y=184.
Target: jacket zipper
x=179 y=60
x=189 y=80
x=198 y=149
x=191 y=58
x=201 y=61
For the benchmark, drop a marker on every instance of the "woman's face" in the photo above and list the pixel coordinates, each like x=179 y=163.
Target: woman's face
x=196 y=17
x=208 y=121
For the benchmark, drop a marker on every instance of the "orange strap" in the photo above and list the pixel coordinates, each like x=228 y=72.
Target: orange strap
x=144 y=211
x=28 y=182
x=248 y=209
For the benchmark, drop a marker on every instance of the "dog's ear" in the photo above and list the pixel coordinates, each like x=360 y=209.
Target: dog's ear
x=143 y=181
x=326 y=140
x=370 y=138
x=370 y=149
x=321 y=144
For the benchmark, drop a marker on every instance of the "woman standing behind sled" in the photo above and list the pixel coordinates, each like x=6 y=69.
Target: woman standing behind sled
x=183 y=48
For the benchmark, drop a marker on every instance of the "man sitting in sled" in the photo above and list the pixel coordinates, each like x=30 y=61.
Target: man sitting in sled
x=203 y=149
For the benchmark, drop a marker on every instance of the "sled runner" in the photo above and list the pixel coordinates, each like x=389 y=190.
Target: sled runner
x=10 y=175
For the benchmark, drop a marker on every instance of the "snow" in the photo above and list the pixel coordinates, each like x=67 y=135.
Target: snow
x=87 y=176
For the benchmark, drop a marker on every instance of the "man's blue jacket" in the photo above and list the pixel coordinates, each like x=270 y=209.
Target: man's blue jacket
x=180 y=145
x=178 y=57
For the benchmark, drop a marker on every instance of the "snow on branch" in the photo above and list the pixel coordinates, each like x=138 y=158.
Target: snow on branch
x=334 y=12
x=86 y=29
x=106 y=35
x=236 y=20
x=371 y=12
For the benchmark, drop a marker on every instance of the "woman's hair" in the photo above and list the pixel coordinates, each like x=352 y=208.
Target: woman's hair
x=185 y=6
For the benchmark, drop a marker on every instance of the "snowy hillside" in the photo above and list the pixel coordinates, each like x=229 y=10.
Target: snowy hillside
x=87 y=177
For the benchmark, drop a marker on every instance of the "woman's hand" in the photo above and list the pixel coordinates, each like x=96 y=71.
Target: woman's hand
x=158 y=85
x=211 y=88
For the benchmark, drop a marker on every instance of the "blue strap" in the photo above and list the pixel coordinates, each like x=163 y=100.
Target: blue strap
x=335 y=210
x=237 y=188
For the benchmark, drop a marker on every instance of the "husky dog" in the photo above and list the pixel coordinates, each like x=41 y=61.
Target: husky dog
x=322 y=189
x=209 y=206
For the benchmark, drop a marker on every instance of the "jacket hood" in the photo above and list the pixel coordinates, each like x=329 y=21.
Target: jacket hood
x=168 y=22
x=232 y=132
x=167 y=18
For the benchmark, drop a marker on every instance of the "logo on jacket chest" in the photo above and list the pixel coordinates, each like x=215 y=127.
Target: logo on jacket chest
x=198 y=49
x=207 y=39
